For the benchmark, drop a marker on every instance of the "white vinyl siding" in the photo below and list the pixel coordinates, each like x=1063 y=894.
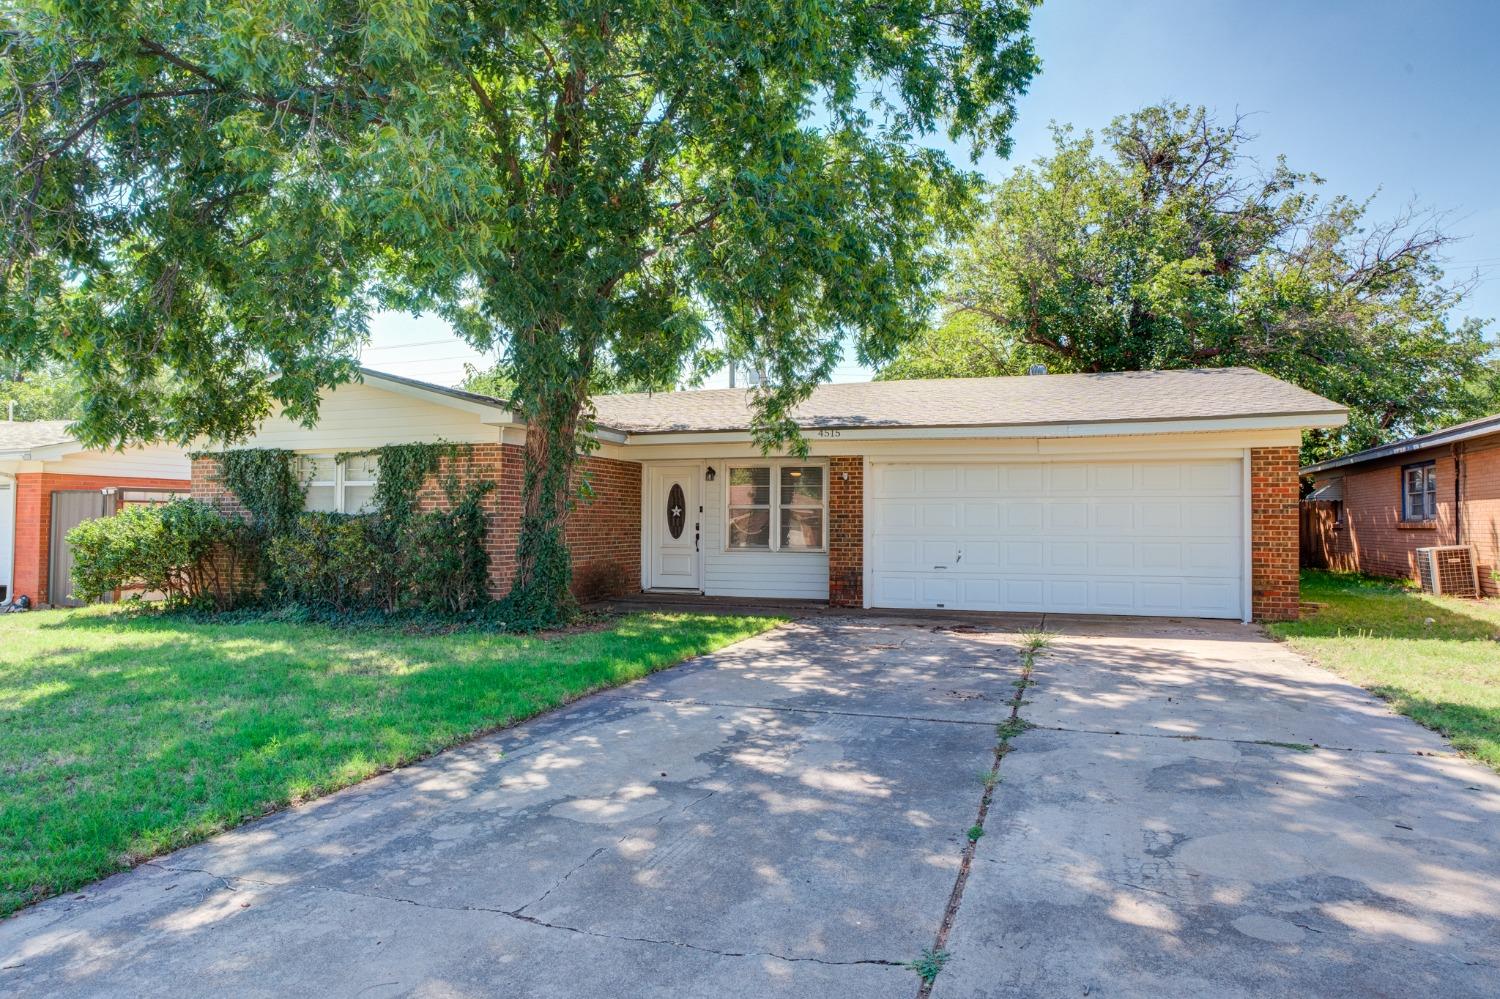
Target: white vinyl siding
x=358 y=417
x=789 y=574
x=1126 y=537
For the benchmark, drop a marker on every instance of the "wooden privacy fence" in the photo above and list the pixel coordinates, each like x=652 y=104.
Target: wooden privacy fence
x=1316 y=532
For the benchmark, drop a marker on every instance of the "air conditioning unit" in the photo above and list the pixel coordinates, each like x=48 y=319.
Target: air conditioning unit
x=1449 y=570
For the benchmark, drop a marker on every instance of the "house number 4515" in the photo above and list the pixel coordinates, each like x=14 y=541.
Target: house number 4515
x=830 y=433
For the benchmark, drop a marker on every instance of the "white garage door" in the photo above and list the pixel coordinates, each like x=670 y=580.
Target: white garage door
x=1091 y=538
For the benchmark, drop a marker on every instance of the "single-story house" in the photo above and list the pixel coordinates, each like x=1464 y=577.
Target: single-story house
x=49 y=483
x=1148 y=493
x=1441 y=488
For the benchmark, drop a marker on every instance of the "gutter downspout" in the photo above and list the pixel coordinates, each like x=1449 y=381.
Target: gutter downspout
x=1459 y=471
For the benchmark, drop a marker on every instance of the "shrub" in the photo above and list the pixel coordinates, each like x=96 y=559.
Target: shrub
x=443 y=561
x=335 y=561
x=185 y=549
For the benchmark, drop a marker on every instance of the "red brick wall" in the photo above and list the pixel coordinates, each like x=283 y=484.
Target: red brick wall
x=846 y=530
x=34 y=520
x=1273 y=533
x=1479 y=512
x=604 y=532
x=1372 y=538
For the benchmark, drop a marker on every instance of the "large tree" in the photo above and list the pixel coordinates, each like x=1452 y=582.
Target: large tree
x=46 y=393
x=225 y=192
x=1166 y=246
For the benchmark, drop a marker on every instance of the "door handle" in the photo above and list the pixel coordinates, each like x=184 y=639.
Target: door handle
x=696 y=536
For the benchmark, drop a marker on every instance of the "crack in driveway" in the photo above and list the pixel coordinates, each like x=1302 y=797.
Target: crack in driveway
x=229 y=882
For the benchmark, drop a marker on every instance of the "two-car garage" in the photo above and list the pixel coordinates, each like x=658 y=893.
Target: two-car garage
x=1092 y=537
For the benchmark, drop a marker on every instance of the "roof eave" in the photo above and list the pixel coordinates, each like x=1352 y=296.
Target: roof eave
x=1437 y=438
x=1097 y=428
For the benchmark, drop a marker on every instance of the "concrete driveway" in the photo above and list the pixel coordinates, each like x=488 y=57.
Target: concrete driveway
x=788 y=817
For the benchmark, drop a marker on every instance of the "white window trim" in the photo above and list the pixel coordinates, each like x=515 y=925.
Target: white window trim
x=338 y=483
x=775 y=465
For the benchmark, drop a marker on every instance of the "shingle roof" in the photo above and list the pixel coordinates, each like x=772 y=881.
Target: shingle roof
x=1128 y=396
x=22 y=435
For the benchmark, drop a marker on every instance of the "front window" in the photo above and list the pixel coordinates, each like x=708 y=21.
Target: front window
x=1419 y=492
x=335 y=486
x=780 y=507
x=750 y=507
x=801 y=513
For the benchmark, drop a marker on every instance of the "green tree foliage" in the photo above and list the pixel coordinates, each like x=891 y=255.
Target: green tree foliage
x=225 y=192
x=1165 y=246
x=47 y=393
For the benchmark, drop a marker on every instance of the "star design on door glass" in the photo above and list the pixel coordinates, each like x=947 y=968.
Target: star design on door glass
x=677 y=511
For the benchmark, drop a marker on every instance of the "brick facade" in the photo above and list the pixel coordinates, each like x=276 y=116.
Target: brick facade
x=34 y=520
x=1274 y=588
x=603 y=530
x=846 y=530
x=1370 y=536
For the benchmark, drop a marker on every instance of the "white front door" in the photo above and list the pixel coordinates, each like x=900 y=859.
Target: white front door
x=674 y=520
x=1117 y=537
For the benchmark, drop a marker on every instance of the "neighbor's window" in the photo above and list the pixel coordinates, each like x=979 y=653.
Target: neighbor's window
x=790 y=518
x=1419 y=492
x=335 y=486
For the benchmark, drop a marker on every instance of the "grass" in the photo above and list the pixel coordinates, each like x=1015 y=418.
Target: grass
x=125 y=735
x=1435 y=659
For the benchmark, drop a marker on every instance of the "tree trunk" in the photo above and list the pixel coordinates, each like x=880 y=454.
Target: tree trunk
x=541 y=594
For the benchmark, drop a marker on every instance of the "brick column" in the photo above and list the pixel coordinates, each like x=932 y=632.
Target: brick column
x=1274 y=584
x=846 y=530
x=33 y=536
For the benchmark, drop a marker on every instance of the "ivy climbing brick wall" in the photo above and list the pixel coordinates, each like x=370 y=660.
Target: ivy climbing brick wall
x=604 y=532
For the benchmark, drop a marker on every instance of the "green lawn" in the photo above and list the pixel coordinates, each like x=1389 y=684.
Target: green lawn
x=126 y=735
x=1435 y=659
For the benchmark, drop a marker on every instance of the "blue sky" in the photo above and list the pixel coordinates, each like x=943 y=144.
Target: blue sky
x=1400 y=98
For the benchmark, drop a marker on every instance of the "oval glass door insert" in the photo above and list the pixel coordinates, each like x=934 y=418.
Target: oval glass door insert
x=676 y=510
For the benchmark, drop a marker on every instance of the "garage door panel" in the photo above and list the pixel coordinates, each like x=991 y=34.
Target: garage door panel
x=981 y=555
x=981 y=480
x=1114 y=516
x=1068 y=595
x=1212 y=516
x=981 y=516
x=1070 y=516
x=1067 y=480
x=1160 y=478
x=1113 y=478
x=1117 y=537
x=1023 y=555
x=1067 y=555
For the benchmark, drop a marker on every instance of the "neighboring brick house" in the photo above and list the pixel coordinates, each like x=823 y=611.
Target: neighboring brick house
x=1441 y=488
x=1171 y=493
x=49 y=482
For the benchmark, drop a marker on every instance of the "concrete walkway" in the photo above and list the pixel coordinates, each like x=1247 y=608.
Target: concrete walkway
x=787 y=817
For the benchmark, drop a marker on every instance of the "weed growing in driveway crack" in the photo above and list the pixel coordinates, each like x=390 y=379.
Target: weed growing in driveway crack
x=1300 y=747
x=974 y=833
x=1011 y=728
x=989 y=778
x=929 y=964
